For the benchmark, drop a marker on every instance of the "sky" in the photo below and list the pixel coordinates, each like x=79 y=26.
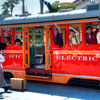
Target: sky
x=33 y=6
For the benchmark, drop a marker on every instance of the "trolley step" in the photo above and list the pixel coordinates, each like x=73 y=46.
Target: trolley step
x=41 y=72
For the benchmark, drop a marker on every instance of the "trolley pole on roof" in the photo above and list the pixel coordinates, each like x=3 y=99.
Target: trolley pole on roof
x=41 y=6
x=23 y=7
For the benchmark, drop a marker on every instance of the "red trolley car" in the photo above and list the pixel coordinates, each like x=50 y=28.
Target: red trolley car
x=71 y=61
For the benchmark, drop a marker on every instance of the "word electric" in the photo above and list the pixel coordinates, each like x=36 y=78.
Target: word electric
x=79 y=58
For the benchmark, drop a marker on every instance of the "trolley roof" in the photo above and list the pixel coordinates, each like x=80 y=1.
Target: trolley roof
x=59 y=16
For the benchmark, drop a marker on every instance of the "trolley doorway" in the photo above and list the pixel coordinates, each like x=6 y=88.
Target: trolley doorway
x=39 y=51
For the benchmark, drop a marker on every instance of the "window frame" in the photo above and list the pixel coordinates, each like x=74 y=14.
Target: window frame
x=12 y=46
x=34 y=34
x=75 y=45
x=83 y=46
x=12 y=32
x=90 y=46
x=52 y=37
x=16 y=32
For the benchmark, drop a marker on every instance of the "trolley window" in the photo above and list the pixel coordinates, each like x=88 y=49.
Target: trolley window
x=18 y=36
x=75 y=34
x=36 y=36
x=93 y=33
x=63 y=31
x=0 y=35
x=59 y=35
x=31 y=37
x=7 y=36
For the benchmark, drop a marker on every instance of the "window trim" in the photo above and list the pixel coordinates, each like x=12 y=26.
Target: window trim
x=17 y=32
x=76 y=45
x=90 y=46
x=52 y=31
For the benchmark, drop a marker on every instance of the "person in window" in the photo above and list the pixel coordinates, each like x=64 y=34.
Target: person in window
x=3 y=83
x=91 y=37
x=0 y=39
x=7 y=40
x=74 y=36
x=58 y=40
x=18 y=42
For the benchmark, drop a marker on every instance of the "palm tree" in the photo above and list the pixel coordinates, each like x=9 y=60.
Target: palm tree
x=9 y=6
x=12 y=4
x=5 y=9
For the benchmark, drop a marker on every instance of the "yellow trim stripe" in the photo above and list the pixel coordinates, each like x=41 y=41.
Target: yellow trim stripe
x=13 y=51
x=78 y=52
x=13 y=70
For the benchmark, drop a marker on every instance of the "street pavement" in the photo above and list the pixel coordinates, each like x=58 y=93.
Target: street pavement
x=51 y=91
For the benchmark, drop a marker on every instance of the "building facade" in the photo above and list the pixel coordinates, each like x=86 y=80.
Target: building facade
x=81 y=4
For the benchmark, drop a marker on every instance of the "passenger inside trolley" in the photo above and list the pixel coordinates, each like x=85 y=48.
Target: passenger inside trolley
x=18 y=37
x=7 y=40
x=18 y=42
x=58 y=40
x=91 y=37
x=75 y=35
x=0 y=38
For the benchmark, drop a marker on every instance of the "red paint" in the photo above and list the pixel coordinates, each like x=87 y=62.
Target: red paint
x=80 y=63
x=13 y=61
x=66 y=63
x=13 y=53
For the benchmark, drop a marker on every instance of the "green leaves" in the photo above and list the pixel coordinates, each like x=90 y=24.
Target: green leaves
x=57 y=6
x=5 y=7
x=8 y=6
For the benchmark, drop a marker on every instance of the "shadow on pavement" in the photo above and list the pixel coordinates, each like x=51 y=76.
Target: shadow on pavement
x=2 y=94
x=78 y=92
x=1 y=97
x=70 y=91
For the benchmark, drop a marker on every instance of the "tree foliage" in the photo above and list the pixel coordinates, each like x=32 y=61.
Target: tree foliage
x=8 y=6
x=12 y=4
x=67 y=6
x=5 y=7
x=56 y=5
